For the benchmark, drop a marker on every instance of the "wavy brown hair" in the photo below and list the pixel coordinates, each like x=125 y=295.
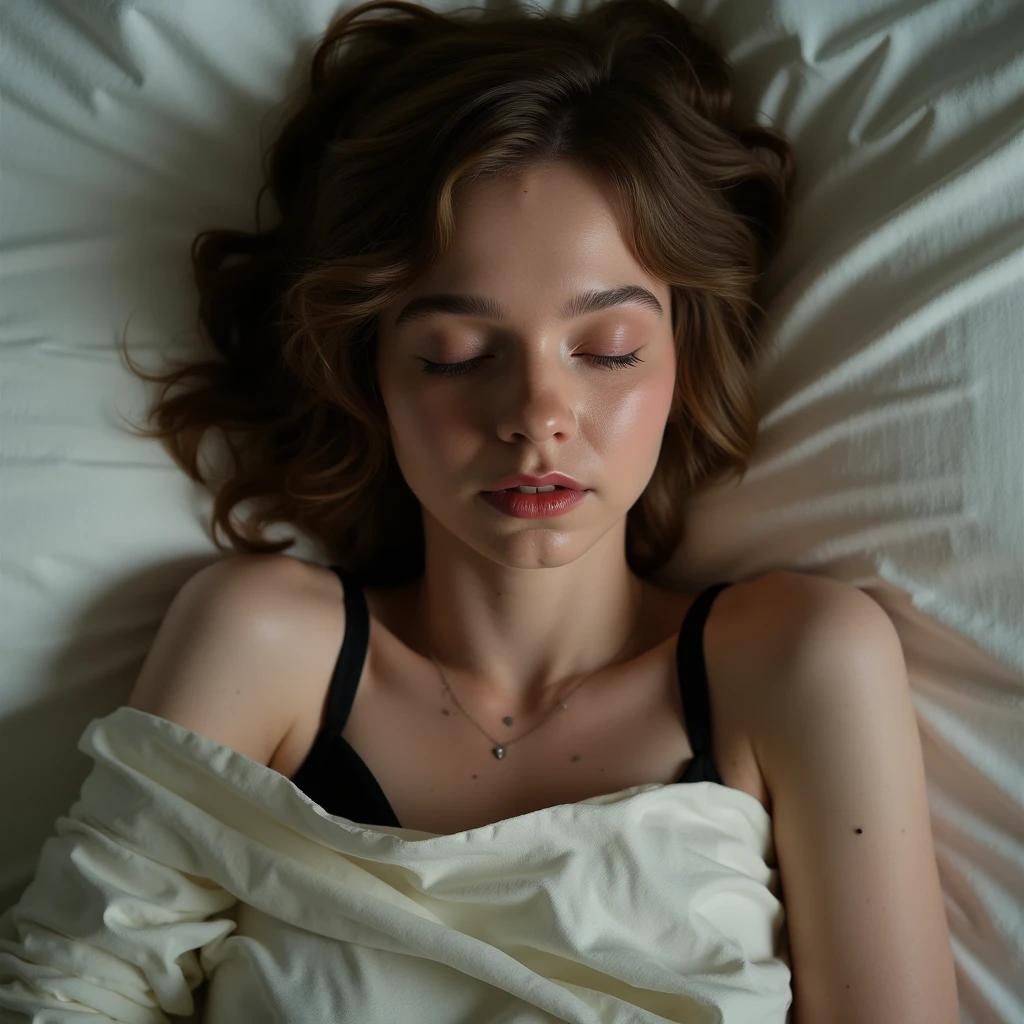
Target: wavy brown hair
x=405 y=105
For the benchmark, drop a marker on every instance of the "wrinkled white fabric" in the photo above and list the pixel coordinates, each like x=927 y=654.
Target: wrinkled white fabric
x=184 y=860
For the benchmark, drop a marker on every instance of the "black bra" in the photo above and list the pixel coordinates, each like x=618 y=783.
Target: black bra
x=338 y=779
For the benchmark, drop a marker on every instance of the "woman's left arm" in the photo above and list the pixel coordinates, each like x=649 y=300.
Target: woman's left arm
x=838 y=746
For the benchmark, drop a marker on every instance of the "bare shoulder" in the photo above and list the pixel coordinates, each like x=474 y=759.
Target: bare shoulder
x=838 y=746
x=227 y=654
x=764 y=616
x=780 y=637
x=785 y=606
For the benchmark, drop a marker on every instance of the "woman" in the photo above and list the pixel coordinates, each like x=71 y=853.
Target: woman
x=521 y=250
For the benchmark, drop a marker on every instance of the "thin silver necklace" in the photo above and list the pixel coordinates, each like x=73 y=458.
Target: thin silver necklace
x=500 y=749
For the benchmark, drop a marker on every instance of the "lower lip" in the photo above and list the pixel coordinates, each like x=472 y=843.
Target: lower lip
x=534 y=506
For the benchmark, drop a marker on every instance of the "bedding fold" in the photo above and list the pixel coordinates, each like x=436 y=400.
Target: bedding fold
x=185 y=862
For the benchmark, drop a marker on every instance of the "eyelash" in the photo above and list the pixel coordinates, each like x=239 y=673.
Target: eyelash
x=457 y=369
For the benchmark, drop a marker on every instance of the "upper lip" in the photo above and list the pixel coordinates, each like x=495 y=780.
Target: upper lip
x=537 y=481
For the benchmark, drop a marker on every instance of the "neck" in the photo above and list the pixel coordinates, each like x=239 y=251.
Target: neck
x=521 y=649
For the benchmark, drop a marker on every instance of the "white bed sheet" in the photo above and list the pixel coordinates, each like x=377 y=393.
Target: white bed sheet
x=890 y=452
x=293 y=913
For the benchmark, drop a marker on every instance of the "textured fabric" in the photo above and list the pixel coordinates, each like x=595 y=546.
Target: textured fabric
x=183 y=858
x=341 y=782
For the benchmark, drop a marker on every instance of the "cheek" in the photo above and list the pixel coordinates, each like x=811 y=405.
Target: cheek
x=635 y=417
x=422 y=414
x=430 y=433
x=412 y=413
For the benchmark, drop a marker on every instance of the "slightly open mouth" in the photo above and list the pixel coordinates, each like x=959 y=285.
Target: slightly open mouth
x=507 y=490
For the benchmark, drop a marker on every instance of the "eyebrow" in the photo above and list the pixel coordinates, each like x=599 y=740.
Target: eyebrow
x=485 y=308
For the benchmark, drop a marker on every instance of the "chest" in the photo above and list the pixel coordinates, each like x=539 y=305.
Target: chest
x=430 y=747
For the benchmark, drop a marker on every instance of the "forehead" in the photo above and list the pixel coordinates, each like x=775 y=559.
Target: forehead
x=546 y=240
x=550 y=214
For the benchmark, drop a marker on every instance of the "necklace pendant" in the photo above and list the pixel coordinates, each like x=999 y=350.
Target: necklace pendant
x=498 y=752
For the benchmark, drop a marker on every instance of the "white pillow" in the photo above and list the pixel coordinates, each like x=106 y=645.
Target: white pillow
x=893 y=396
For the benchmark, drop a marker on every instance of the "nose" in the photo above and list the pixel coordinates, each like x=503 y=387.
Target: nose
x=538 y=408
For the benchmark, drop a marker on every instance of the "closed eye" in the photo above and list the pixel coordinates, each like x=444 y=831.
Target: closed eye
x=456 y=369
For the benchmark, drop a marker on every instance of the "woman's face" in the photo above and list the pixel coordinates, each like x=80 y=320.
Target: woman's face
x=532 y=398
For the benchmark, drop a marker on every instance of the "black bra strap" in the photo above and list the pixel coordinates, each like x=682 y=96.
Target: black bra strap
x=693 y=677
x=353 y=650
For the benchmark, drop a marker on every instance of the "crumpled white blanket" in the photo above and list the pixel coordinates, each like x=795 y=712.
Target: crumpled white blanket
x=184 y=860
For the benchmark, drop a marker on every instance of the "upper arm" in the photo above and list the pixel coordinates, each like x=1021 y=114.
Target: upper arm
x=840 y=753
x=221 y=659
